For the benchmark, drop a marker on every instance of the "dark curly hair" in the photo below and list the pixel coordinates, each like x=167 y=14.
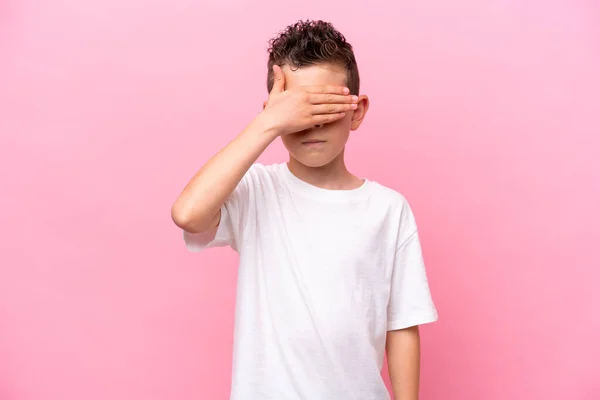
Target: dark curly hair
x=310 y=43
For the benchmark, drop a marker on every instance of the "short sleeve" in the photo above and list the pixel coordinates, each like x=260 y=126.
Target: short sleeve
x=234 y=214
x=410 y=301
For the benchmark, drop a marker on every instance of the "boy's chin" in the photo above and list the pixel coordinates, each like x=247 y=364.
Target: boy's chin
x=313 y=163
x=314 y=160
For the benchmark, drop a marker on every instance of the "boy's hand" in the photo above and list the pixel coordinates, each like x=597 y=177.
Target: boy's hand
x=295 y=110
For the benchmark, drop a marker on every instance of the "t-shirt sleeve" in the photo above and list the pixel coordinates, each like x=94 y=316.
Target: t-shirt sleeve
x=410 y=302
x=234 y=213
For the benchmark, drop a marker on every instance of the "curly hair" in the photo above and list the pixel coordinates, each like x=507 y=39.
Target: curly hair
x=309 y=43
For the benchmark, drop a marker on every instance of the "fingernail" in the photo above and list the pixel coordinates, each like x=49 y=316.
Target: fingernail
x=354 y=106
x=354 y=98
x=346 y=90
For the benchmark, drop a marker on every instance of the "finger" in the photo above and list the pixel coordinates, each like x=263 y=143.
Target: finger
x=332 y=99
x=278 y=79
x=327 y=89
x=327 y=118
x=332 y=108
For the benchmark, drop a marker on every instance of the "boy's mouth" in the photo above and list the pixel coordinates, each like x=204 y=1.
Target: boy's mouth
x=313 y=141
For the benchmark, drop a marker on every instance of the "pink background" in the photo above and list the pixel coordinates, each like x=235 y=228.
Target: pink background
x=485 y=114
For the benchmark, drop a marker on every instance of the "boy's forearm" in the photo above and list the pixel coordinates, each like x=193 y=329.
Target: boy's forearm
x=404 y=359
x=202 y=198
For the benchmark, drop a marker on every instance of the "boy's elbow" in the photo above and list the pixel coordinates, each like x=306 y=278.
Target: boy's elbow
x=188 y=221
x=179 y=217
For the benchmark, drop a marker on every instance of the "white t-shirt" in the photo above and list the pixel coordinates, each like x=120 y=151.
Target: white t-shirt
x=323 y=275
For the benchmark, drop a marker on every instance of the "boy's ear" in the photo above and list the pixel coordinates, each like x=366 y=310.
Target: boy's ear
x=360 y=112
x=264 y=104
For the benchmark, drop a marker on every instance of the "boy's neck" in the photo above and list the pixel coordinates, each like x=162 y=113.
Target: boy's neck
x=332 y=176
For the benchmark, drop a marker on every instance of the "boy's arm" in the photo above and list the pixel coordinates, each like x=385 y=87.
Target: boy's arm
x=403 y=355
x=197 y=209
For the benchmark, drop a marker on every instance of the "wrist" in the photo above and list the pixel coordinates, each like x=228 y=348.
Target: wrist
x=267 y=125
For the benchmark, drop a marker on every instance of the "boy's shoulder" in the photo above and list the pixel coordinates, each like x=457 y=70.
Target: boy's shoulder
x=258 y=167
x=259 y=172
x=388 y=198
x=387 y=192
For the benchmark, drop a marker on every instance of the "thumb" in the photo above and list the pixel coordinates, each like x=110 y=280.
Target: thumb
x=278 y=80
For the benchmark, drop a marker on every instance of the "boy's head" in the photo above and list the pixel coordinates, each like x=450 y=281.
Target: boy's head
x=307 y=43
x=315 y=53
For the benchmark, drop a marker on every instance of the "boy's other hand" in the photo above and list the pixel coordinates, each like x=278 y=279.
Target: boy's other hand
x=295 y=110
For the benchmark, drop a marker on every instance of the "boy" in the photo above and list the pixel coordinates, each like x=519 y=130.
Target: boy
x=331 y=274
